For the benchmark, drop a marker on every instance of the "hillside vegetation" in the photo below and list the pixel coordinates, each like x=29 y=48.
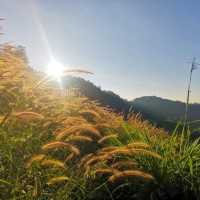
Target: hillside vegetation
x=54 y=146
x=105 y=98
x=166 y=109
x=161 y=112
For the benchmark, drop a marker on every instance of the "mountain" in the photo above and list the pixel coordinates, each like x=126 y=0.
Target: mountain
x=166 y=113
x=166 y=109
x=105 y=98
x=161 y=112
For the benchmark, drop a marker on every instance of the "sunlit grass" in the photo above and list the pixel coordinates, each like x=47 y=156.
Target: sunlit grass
x=52 y=147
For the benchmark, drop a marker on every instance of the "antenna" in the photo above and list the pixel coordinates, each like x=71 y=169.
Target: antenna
x=193 y=67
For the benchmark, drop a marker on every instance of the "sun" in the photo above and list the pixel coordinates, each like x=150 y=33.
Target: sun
x=55 y=69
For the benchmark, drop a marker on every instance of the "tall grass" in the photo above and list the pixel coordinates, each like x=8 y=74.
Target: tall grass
x=53 y=147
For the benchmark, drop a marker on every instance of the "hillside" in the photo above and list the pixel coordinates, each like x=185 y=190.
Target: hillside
x=162 y=112
x=105 y=98
x=166 y=109
x=151 y=107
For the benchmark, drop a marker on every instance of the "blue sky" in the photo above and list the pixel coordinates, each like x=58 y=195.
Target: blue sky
x=134 y=47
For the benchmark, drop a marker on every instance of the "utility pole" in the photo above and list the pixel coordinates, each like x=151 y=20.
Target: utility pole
x=193 y=67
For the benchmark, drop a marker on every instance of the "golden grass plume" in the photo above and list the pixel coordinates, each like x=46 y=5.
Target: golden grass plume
x=52 y=163
x=67 y=71
x=58 y=179
x=130 y=174
x=125 y=164
x=89 y=130
x=134 y=152
x=108 y=171
x=138 y=145
x=28 y=115
x=108 y=149
x=89 y=114
x=73 y=120
x=96 y=159
x=84 y=129
x=108 y=137
x=145 y=152
x=58 y=144
x=69 y=157
x=35 y=158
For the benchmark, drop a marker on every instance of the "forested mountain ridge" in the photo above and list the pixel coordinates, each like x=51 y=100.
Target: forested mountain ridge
x=105 y=98
x=151 y=107
x=166 y=109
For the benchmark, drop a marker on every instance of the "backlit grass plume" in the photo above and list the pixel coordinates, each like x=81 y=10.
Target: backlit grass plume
x=108 y=171
x=28 y=115
x=57 y=145
x=59 y=179
x=84 y=129
x=130 y=174
x=107 y=138
x=52 y=163
x=35 y=158
x=134 y=152
x=69 y=157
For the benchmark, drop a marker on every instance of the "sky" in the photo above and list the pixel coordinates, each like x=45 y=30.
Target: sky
x=134 y=47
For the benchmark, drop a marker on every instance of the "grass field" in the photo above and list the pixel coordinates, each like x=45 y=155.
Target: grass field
x=58 y=147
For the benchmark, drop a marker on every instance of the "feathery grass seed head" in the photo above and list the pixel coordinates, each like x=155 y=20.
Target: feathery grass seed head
x=130 y=174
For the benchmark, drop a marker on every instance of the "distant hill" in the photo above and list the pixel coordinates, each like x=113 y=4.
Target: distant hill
x=105 y=98
x=166 y=109
x=161 y=112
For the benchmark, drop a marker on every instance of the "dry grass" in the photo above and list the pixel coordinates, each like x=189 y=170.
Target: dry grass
x=75 y=71
x=130 y=174
x=108 y=149
x=128 y=164
x=59 y=179
x=120 y=151
x=145 y=126
x=56 y=145
x=133 y=152
x=35 y=158
x=71 y=121
x=138 y=145
x=52 y=163
x=28 y=115
x=94 y=160
x=84 y=129
x=66 y=132
x=108 y=171
x=90 y=114
x=69 y=157
x=107 y=138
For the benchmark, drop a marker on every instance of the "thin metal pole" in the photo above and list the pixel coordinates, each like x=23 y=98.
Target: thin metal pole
x=188 y=92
